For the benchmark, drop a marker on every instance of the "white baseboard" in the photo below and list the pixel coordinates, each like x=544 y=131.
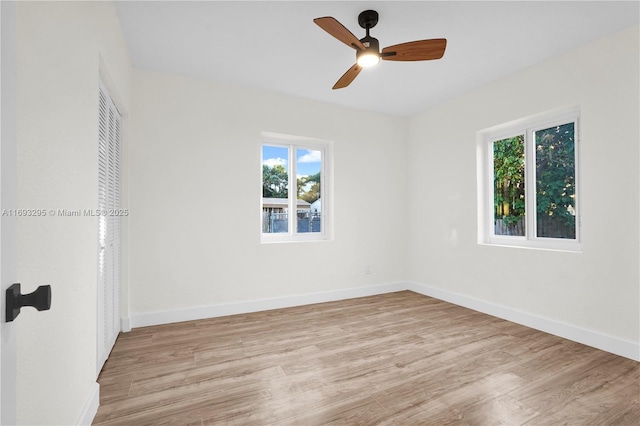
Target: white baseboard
x=625 y=348
x=90 y=408
x=125 y=324
x=220 y=310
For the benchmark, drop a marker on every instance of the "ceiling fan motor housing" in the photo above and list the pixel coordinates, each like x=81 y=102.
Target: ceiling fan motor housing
x=371 y=46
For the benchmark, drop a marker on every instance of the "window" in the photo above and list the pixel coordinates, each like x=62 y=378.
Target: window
x=295 y=194
x=528 y=193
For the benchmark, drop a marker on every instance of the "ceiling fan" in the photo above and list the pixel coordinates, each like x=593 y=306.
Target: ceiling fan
x=367 y=48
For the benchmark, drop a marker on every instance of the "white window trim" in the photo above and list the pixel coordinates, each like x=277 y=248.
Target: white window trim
x=326 y=173
x=526 y=126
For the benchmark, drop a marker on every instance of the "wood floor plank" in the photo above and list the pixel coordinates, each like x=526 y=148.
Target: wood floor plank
x=576 y=381
x=392 y=359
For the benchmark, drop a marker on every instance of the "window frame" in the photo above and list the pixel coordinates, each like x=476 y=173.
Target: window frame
x=527 y=127
x=292 y=143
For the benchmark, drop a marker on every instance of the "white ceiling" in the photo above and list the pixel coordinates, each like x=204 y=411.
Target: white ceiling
x=276 y=46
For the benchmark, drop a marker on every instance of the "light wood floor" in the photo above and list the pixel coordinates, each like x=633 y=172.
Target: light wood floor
x=393 y=359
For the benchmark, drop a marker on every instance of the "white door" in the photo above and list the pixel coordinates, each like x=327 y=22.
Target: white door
x=7 y=201
x=109 y=152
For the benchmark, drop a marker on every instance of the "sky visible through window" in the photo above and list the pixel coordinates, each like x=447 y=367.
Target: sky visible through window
x=308 y=162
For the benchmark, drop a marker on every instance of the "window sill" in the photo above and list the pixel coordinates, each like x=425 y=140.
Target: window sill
x=278 y=239
x=557 y=246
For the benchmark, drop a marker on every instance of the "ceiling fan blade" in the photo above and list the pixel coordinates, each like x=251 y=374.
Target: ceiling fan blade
x=348 y=77
x=336 y=29
x=421 y=50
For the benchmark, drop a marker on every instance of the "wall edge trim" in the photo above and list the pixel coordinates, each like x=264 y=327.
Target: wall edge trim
x=256 y=305
x=612 y=344
x=605 y=342
x=125 y=324
x=91 y=405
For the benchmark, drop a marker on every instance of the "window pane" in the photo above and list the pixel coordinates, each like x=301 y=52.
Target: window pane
x=508 y=180
x=275 y=189
x=308 y=204
x=555 y=182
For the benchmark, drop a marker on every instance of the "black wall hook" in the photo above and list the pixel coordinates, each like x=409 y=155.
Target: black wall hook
x=39 y=299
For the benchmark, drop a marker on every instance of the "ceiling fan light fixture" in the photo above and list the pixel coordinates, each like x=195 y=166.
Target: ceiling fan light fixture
x=370 y=56
x=368 y=59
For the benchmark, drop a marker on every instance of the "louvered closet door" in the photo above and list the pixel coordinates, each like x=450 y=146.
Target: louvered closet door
x=109 y=147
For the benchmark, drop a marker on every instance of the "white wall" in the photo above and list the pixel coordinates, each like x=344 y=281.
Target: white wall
x=195 y=189
x=61 y=49
x=597 y=289
x=8 y=188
